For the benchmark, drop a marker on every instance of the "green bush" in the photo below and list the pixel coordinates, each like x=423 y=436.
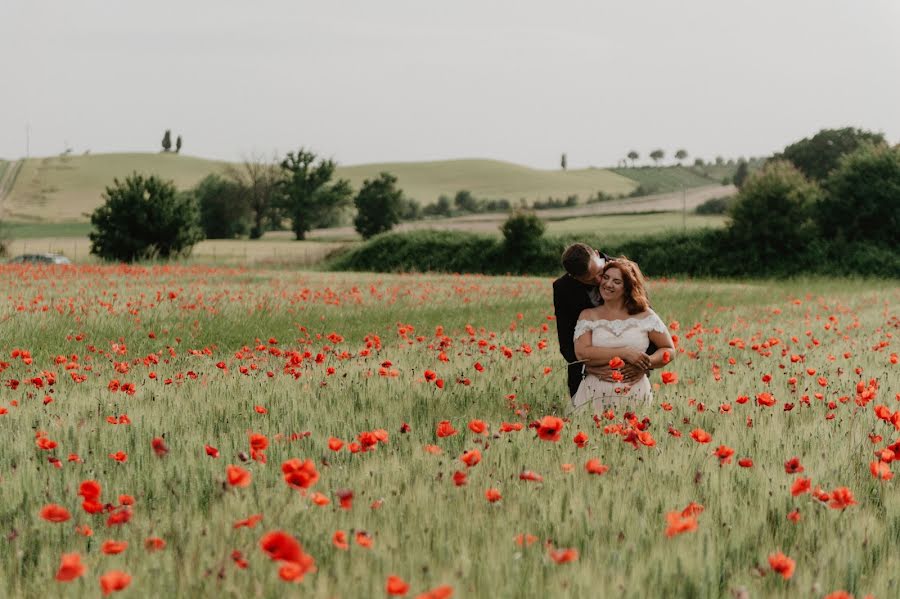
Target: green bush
x=144 y=218
x=863 y=197
x=224 y=209
x=378 y=206
x=817 y=156
x=715 y=205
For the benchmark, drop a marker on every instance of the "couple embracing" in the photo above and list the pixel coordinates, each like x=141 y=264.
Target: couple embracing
x=608 y=333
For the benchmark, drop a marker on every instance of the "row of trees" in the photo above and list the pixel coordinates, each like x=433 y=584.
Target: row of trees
x=167 y=142
x=146 y=217
x=657 y=155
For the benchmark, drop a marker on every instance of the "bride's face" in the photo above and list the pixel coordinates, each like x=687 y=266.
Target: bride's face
x=612 y=286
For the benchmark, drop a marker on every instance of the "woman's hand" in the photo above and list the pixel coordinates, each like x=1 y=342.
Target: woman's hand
x=635 y=357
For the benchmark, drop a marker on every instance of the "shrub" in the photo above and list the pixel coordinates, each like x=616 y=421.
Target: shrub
x=378 y=206
x=144 y=218
x=817 y=156
x=863 y=197
x=224 y=209
x=522 y=232
x=715 y=205
x=773 y=214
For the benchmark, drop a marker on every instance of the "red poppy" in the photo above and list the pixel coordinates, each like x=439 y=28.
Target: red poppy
x=669 y=378
x=441 y=592
x=339 y=540
x=549 y=428
x=119 y=456
x=335 y=444
x=55 y=513
x=237 y=476
x=531 y=476
x=508 y=427
x=700 y=436
x=593 y=466
x=563 y=556
x=364 y=539
x=479 y=427
x=70 y=567
x=249 y=522
x=794 y=516
x=154 y=544
x=745 y=463
x=782 y=564
x=159 y=446
x=396 y=586
x=724 y=454
x=470 y=458
x=677 y=524
x=113 y=581
x=319 y=499
x=212 y=451
x=345 y=498
x=616 y=362
x=90 y=490
x=445 y=429
x=580 y=439
x=113 y=547
x=881 y=470
x=493 y=495
x=841 y=498
x=793 y=466
x=765 y=399
x=299 y=474
x=459 y=478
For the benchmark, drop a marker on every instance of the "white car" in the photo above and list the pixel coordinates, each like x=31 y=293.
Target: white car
x=40 y=259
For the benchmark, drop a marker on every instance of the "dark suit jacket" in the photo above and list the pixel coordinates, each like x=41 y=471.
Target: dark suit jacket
x=569 y=298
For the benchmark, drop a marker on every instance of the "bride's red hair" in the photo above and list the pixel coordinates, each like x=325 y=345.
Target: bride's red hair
x=635 y=293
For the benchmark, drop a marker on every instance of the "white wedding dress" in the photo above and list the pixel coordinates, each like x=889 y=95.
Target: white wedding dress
x=628 y=332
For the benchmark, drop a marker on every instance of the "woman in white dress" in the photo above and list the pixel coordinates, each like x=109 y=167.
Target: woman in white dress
x=621 y=327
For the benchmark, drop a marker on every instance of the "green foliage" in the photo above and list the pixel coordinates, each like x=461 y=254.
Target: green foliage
x=863 y=197
x=817 y=156
x=308 y=196
x=664 y=179
x=258 y=183
x=379 y=205
x=410 y=209
x=522 y=233
x=439 y=208
x=465 y=201
x=224 y=209
x=774 y=212
x=178 y=145
x=167 y=141
x=740 y=175
x=681 y=155
x=423 y=251
x=657 y=155
x=144 y=218
x=715 y=205
x=632 y=156
x=563 y=162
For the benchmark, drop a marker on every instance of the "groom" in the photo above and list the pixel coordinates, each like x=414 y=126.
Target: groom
x=576 y=291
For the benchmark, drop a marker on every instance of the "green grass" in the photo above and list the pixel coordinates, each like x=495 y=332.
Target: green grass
x=623 y=226
x=120 y=323
x=4 y=165
x=667 y=178
x=33 y=230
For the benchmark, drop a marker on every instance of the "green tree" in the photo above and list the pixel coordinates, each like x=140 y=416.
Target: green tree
x=632 y=156
x=699 y=162
x=465 y=201
x=522 y=233
x=820 y=154
x=772 y=216
x=224 y=207
x=258 y=184
x=657 y=155
x=178 y=145
x=563 y=162
x=862 y=202
x=740 y=174
x=681 y=155
x=143 y=218
x=167 y=141
x=308 y=196
x=378 y=206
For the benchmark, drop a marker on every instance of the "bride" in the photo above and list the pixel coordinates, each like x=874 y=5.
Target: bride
x=621 y=327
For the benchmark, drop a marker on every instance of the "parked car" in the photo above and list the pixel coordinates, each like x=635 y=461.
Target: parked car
x=40 y=259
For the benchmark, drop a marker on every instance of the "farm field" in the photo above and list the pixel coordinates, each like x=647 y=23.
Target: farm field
x=668 y=178
x=621 y=226
x=224 y=415
x=62 y=189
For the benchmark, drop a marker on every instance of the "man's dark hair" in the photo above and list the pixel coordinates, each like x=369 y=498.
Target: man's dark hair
x=576 y=258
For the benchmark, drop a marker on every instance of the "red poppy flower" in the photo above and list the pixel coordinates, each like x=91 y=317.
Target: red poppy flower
x=445 y=429
x=119 y=456
x=159 y=446
x=459 y=478
x=669 y=378
x=70 y=567
x=335 y=444
x=396 y=586
x=339 y=540
x=154 y=544
x=113 y=547
x=881 y=470
x=745 y=463
x=580 y=439
x=113 y=581
x=55 y=513
x=724 y=454
x=441 y=592
x=593 y=466
x=794 y=516
x=793 y=466
x=493 y=495
x=470 y=458
x=249 y=522
x=479 y=427
x=841 y=498
x=364 y=539
x=549 y=428
x=700 y=436
x=782 y=564
x=563 y=556
x=677 y=524
x=300 y=474
x=212 y=451
x=531 y=476
x=237 y=476
x=89 y=490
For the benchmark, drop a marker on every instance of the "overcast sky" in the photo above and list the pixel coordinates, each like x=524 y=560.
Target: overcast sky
x=391 y=80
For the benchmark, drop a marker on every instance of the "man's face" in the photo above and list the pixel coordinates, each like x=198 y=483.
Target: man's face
x=594 y=271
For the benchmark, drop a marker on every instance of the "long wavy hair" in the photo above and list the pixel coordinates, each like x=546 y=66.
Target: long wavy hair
x=635 y=291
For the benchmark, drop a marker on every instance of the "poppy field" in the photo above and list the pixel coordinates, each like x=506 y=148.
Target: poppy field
x=194 y=431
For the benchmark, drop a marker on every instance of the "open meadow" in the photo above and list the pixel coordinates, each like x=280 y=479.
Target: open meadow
x=233 y=433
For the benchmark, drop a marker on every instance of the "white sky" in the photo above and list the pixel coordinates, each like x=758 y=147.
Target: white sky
x=389 y=80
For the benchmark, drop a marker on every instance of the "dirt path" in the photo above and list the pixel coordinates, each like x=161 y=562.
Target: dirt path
x=662 y=202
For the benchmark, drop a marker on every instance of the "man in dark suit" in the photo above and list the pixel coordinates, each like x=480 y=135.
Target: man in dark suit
x=576 y=291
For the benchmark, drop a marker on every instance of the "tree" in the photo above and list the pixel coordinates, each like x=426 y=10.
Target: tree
x=465 y=201
x=378 y=206
x=308 y=197
x=773 y=213
x=681 y=155
x=144 y=218
x=522 y=233
x=258 y=185
x=563 y=162
x=817 y=156
x=178 y=145
x=740 y=175
x=224 y=207
x=699 y=162
x=167 y=141
x=719 y=161
x=633 y=155
x=862 y=202
x=657 y=155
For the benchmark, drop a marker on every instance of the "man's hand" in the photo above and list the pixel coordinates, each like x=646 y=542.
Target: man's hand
x=630 y=373
x=635 y=357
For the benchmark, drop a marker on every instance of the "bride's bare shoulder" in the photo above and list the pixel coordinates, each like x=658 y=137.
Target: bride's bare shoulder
x=589 y=314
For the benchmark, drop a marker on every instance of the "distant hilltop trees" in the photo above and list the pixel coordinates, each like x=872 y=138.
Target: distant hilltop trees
x=167 y=142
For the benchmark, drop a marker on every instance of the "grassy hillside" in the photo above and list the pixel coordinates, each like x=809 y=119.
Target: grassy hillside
x=65 y=188
x=490 y=179
x=668 y=178
x=3 y=166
